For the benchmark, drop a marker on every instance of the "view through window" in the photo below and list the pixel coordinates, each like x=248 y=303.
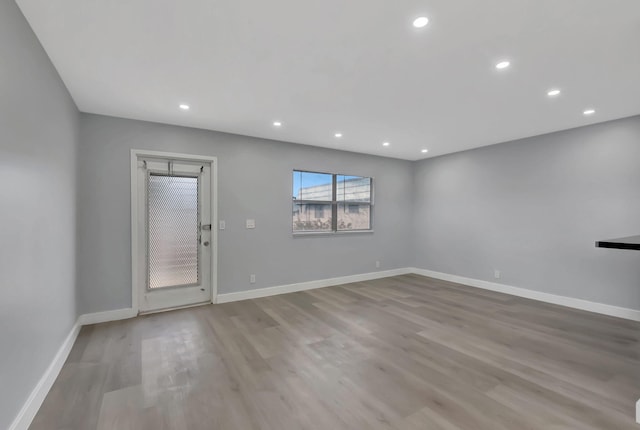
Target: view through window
x=329 y=202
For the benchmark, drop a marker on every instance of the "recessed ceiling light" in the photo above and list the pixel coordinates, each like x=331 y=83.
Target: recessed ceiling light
x=424 y=151
x=421 y=22
x=184 y=107
x=589 y=112
x=553 y=93
x=386 y=144
x=277 y=124
x=503 y=65
x=338 y=135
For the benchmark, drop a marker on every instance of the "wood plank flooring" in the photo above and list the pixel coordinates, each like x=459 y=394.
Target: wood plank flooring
x=405 y=353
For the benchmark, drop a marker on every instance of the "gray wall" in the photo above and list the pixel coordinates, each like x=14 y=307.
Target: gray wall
x=533 y=209
x=38 y=144
x=254 y=182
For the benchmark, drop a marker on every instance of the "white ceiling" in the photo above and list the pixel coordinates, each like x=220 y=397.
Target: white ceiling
x=354 y=66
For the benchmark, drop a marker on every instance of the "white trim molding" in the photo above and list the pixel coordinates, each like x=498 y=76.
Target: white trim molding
x=310 y=285
x=30 y=408
x=107 y=316
x=32 y=405
x=570 y=302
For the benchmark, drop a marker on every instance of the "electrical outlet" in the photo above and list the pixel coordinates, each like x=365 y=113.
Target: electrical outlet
x=251 y=223
x=377 y=264
x=496 y=274
x=252 y=279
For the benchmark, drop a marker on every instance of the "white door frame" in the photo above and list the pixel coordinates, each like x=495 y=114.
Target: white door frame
x=135 y=261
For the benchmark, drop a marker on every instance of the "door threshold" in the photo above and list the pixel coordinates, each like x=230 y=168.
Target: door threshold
x=174 y=308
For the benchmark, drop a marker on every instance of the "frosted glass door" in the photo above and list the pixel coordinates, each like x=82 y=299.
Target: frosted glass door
x=175 y=214
x=173 y=230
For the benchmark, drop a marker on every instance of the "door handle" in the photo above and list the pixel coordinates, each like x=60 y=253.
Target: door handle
x=206 y=243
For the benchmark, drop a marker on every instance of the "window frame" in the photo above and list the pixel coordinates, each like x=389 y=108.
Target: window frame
x=333 y=204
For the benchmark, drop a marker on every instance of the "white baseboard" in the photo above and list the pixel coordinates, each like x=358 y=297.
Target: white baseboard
x=100 y=317
x=310 y=285
x=585 y=305
x=34 y=401
x=32 y=405
x=600 y=308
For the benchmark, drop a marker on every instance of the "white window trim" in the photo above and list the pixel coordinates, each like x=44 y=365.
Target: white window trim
x=339 y=232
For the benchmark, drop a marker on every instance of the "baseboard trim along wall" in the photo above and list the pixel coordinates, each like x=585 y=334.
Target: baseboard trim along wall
x=585 y=305
x=310 y=285
x=570 y=302
x=32 y=405
x=34 y=401
x=600 y=308
x=107 y=316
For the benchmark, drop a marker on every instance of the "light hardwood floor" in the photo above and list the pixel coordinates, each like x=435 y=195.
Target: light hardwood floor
x=406 y=353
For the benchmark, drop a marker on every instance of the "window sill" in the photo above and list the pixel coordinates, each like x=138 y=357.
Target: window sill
x=330 y=233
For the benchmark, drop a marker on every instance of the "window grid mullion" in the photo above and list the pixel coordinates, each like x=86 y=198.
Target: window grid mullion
x=334 y=203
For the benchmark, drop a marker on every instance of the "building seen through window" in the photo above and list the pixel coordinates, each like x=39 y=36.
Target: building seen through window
x=331 y=202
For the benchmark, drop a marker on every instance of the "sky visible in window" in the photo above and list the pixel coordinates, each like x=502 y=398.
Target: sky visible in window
x=310 y=179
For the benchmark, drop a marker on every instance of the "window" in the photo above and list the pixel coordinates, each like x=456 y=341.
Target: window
x=325 y=202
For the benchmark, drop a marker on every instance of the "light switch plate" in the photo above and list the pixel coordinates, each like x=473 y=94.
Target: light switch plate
x=251 y=223
x=223 y=225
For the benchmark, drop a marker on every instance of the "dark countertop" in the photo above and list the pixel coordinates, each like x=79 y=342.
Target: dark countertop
x=631 y=242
